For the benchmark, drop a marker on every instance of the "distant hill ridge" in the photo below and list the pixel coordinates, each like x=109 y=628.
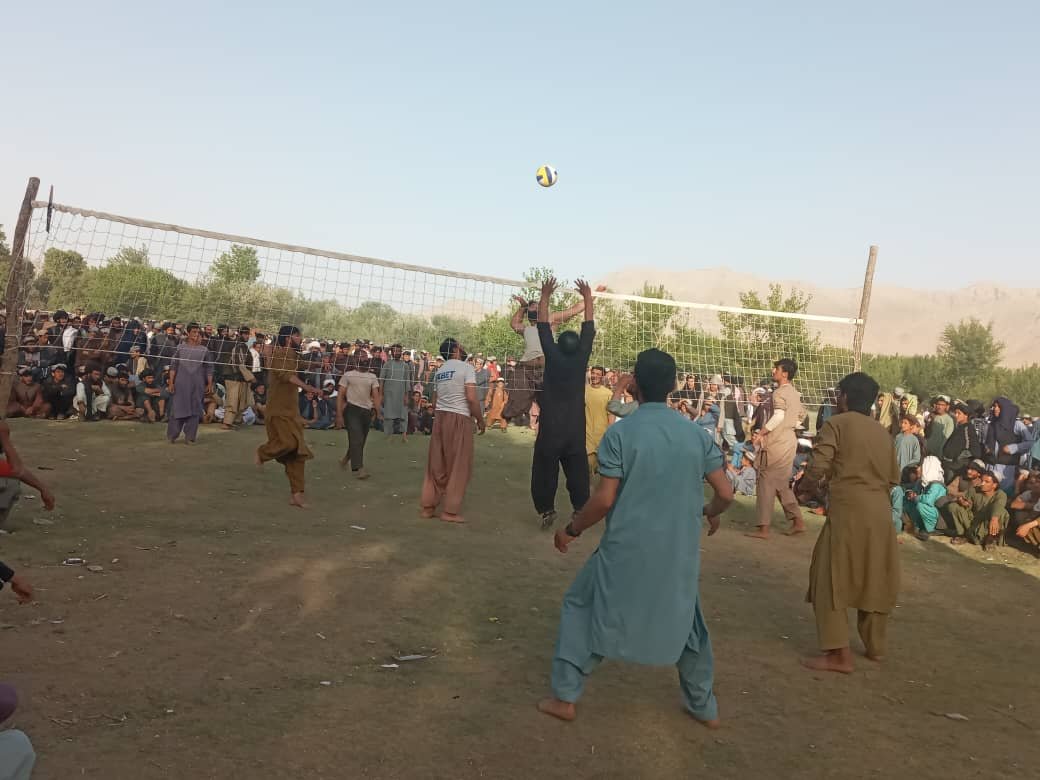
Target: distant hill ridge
x=902 y=320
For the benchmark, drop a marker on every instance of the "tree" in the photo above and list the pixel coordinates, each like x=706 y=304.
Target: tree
x=60 y=279
x=4 y=249
x=238 y=264
x=134 y=290
x=129 y=255
x=969 y=352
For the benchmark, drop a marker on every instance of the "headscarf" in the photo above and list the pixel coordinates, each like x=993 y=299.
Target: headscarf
x=1005 y=423
x=931 y=471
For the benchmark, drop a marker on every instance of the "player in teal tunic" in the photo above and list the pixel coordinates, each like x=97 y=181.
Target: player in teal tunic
x=637 y=598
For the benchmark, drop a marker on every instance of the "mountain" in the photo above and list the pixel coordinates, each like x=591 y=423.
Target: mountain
x=901 y=320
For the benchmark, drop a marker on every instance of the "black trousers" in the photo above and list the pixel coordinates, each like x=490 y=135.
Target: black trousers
x=358 y=422
x=549 y=455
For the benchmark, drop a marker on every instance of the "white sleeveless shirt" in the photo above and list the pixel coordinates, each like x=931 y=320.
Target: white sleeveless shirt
x=532 y=344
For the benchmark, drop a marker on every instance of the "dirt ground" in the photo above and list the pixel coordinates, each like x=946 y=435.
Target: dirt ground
x=232 y=636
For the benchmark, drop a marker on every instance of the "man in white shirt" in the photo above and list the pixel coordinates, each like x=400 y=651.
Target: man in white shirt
x=359 y=394
x=527 y=379
x=450 y=461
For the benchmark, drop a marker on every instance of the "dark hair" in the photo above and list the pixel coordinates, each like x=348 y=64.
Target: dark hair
x=860 y=391
x=991 y=475
x=655 y=375
x=909 y=418
x=962 y=407
x=789 y=367
x=568 y=342
x=194 y=325
x=905 y=476
x=285 y=333
x=448 y=346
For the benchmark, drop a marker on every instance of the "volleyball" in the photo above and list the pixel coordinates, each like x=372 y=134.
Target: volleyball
x=546 y=176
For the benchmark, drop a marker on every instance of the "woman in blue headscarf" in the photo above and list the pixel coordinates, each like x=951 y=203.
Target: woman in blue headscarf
x=1007 y=441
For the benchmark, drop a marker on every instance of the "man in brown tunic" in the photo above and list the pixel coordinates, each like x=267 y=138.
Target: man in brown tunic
x=776 y=446
x=285 y=442
x=855 y=564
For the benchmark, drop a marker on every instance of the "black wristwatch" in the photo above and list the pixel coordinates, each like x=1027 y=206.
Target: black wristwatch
x=569 y=530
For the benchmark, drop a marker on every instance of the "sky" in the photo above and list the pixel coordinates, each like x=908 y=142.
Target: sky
x=777 y=139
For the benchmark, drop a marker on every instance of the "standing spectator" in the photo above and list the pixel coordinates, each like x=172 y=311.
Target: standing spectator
x=597 y=418
x=940 y=426
x=908 y=446
x=92 y=396
x=907 y=401
x=413 y=367
x=493 y=369
x=483 y=380
x=776 y=446
x=496 y=402
x=191 y=377
x=59 y=393
x=1007 y=440
x=163 y=348
x=963 y=446
x=359 y=394
x=427 y=380
x=256 y=356
x=29 y=355
x=237 y=378
x=26 y=398
x=829 y=407
x=395 y=382
x=449 y=464
x=133 y=335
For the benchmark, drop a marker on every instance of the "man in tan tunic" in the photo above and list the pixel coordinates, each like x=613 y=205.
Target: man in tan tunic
x=285 y=442
x=855 y=564
x=776 y=446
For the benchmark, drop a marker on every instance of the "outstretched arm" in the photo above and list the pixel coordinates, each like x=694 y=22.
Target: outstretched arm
x=584 y=305
x=548 y=288
x=517 y=323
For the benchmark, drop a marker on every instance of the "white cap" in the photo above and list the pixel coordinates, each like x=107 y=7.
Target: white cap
x=899 y=392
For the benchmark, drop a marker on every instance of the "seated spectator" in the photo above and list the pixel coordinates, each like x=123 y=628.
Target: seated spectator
x=212 y=400
x=426 y=417
x=745 y=477
x=17 y=756
x=908 y=446
x=26 y=398
x=59 y=393
x=963 y=445
x=980 y=515
x=919 y=503
x=148 y=398
x=414 y=402
x=314 y=409
x=910 y=476
x=92 y=397
x=1025 y=513
x=122 y=404
x=259 y=400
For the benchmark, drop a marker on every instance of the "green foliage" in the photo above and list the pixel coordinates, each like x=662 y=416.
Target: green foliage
x=238 y=264
x=4 y=249
x=132 y=256
x=970 y=353
x=59 y=280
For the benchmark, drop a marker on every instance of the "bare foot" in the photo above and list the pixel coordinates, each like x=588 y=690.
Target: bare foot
x=427 y=513
x=761 y=533
x=798 y=528
x=227 y=427
x=448 y=517
x=564 y=710
x=299 y=501
x=712 y=724
x=344 y=461
x=875 y=658
x=257 y=462
x=362 y=474
x=831 y=661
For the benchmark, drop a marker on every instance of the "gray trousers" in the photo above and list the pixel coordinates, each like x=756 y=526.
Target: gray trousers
x=358 y=422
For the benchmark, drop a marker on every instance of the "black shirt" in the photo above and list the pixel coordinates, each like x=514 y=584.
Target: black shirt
x=562 y=400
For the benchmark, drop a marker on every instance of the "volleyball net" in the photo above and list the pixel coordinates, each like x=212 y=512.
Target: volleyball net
x=150 y=273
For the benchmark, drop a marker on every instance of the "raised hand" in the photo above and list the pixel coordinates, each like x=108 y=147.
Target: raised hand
x=521 y=300
x=549 y=287
x=583 y=288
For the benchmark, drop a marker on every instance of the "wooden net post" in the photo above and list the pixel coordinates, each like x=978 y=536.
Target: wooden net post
x=864 y=307
x=15 y=296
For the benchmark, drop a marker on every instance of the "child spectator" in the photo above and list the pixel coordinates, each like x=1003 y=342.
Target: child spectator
x=745 y=477
x=920 y=504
